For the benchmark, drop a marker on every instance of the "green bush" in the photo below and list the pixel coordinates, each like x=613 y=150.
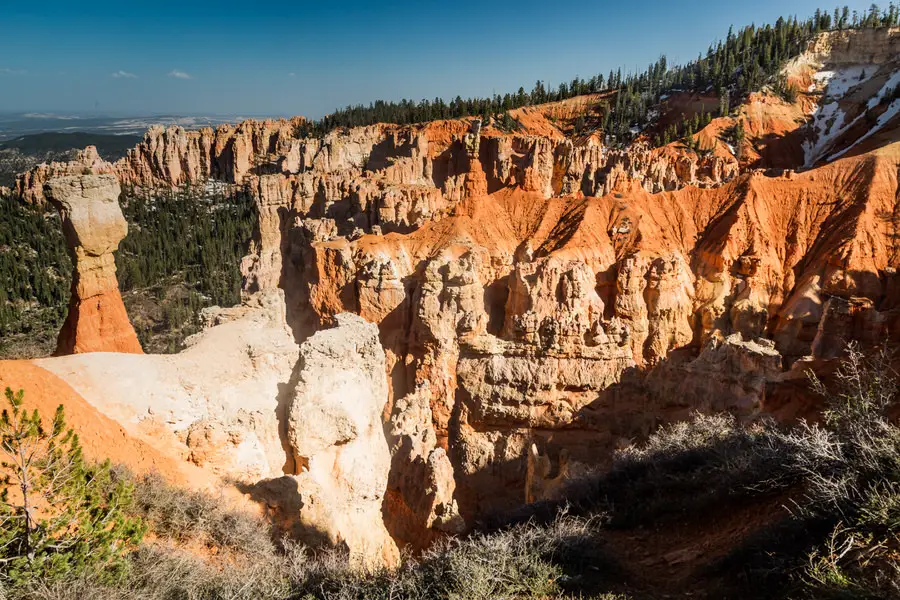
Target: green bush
x=60 y=517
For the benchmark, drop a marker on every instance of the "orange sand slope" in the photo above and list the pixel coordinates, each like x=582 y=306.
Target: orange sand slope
x=100 y=436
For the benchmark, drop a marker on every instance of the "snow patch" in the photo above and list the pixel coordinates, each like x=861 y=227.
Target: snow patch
x=892 y=110
x=828 y=120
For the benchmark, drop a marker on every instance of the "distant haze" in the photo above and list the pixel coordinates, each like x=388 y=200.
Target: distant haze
x=16 y=124
x=281 y=59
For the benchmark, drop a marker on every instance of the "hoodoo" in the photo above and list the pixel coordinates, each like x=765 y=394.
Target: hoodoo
x=93 y=226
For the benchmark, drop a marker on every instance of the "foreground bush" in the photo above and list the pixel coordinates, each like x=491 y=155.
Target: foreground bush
x=58 y=516
x=860 y=487
x=839 y=479
x=527 y=561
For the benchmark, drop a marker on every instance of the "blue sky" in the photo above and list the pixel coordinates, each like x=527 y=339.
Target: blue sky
x=297 y=57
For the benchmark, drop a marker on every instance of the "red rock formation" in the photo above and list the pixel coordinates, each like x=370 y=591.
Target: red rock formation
x=542 y=296
x=525 y=317
x=30 y=185
x=93 y=225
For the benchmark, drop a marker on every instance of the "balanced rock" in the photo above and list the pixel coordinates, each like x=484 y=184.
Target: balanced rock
x=93 y=225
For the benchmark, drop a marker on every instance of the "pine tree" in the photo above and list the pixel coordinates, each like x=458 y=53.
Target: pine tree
x=724 y=104
x=737 y=137
x=689 y=136
x=59 y=515
x=579 y=124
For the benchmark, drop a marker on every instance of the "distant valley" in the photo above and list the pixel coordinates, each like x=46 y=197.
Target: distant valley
x=15 y=125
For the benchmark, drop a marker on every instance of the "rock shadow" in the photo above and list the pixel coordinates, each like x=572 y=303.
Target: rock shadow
x=282 y=502
x=282 y=417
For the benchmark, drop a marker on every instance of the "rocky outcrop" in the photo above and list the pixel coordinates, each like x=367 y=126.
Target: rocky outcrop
x=93 y=226
x=215 y=405
x=334 y=428
x=577 y=324
x=421 y=504
x=852 y=47
x=299 y=428
x=30 y=185
x=173 y=156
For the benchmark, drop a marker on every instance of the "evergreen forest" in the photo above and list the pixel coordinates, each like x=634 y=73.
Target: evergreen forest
x=182 y=253
x=742 y=63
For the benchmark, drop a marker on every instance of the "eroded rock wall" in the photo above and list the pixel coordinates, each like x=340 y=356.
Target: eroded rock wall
x=341 y=455
x=580 y=324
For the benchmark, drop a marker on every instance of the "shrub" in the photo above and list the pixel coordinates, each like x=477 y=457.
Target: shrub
x=179 y=515
x=59 y=516
x=165 y=572
x=525 y=561
x=860 y=488
x=688 y=467
x=841 y=538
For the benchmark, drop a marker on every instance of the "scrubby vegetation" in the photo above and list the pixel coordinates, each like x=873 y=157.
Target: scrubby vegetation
x=826 y=498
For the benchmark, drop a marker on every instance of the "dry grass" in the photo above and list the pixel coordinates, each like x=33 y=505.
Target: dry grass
x=526 y=561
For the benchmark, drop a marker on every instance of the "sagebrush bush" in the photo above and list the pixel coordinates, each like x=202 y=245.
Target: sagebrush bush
x=841 y=536
x=688 y=467
x=166 y=572
x=180 y=515
x=524 y=561
x=859 y=485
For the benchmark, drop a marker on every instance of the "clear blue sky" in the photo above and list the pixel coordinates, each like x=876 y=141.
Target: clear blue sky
x=297 y=57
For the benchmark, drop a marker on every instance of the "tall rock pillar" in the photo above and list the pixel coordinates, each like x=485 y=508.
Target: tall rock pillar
x=93 y=225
